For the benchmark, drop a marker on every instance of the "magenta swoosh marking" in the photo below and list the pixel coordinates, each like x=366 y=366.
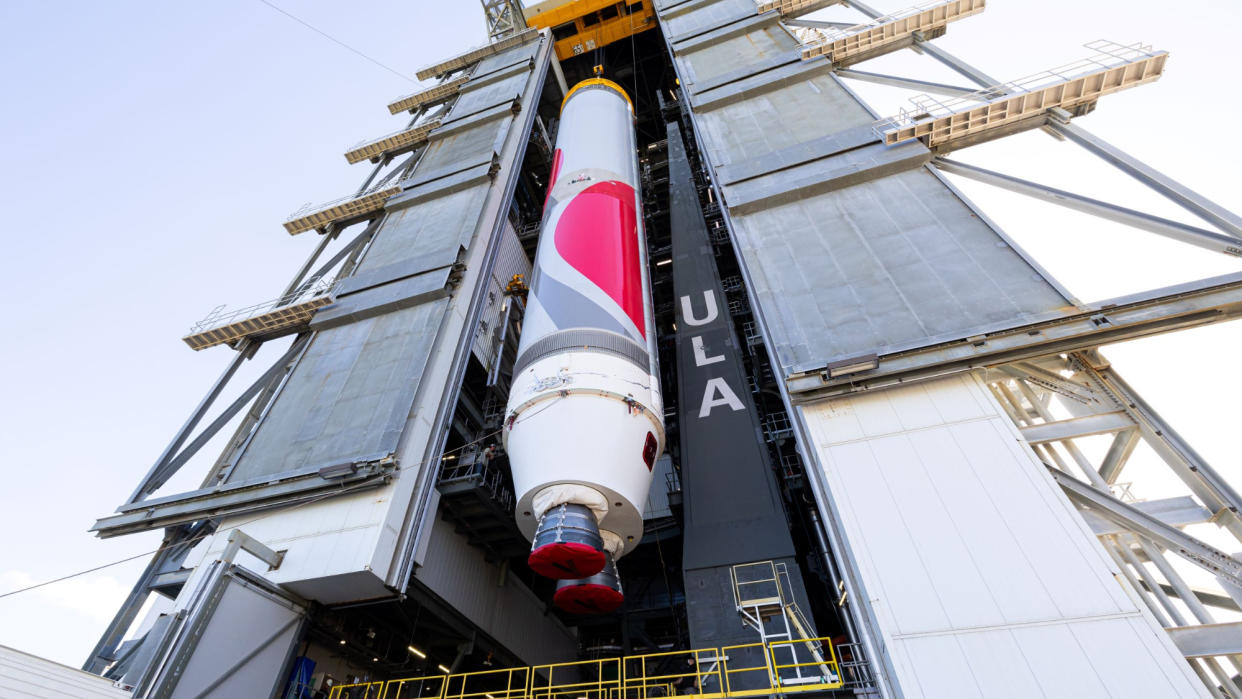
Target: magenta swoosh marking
x=597 y=234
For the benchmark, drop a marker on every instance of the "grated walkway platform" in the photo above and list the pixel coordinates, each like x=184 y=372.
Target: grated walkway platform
x=944 y=124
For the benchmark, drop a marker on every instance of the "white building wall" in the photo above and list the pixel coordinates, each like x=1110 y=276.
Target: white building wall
x=25 y=675
x=983 y=578
x=493 y=600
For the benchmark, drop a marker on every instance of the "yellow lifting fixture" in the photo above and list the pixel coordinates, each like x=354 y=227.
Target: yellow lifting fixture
x=581 y=26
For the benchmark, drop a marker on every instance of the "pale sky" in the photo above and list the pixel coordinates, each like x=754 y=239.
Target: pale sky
x=153 y=149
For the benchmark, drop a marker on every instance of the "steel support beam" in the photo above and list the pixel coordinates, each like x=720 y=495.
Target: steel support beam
x=173 y=549
x=1118 y=453
x=1208 y=640
x=1073 y=428
x=818 y=24
x=907 y=83
x=280 y=490
x=169 y=465
x=324 y=239
x=1114 y=320
x=1174 y=512
x=241 y=541
x=1176 y=192
x=1050 y=381
x=1208 y=240
x=1207 y=557
x=1209 y=598
x=148 y=483
x=1203 y=480
x=959 y=66
x=350 y=248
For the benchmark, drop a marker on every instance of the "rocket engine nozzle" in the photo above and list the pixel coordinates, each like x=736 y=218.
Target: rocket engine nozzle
x=598 y=594
x=567 y=544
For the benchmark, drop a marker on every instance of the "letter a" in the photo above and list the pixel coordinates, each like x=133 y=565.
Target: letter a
x=687 y=313
x=718 y=387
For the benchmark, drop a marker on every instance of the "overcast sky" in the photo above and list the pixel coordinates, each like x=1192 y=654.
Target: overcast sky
x=152 y=150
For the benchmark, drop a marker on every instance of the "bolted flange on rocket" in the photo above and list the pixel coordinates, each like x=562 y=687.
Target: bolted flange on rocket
x=584 y=421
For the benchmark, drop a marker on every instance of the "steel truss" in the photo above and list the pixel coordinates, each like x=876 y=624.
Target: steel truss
x=504 y=18
x=190 y=517
x=1058 y=123
x=1081 y=418
x=1062 y=403
x=1096 y=324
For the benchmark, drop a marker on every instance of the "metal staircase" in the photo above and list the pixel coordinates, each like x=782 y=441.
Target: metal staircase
x=764 y=599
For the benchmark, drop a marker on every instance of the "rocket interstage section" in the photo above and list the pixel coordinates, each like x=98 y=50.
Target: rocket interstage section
x=584 y=421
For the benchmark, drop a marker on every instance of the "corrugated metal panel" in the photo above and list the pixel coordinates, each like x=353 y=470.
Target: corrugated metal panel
x=657 y=498
x=505 y=58
x=983 y=578
x=478 y=99
x=466 y=146
x=724 y=57
x=690 y=23
x=880 y=266
x=510 y=260
x=508 y=612
x=25 y=675
x=777 y=119
x=386 y=383
x=350 y=395
x=419 y=238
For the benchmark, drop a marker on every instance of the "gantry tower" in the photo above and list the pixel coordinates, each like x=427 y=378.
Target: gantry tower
x=933 y=430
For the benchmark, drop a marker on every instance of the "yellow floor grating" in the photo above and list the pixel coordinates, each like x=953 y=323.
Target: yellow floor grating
x=347 y=209
x=795 y=7
x=275 y=323
x=938 y=124
x=439 y=93
x=465 y=59
x=874 y=36
x=392 y=143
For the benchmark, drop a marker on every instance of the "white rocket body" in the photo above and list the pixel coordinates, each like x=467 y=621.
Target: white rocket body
x=584 y=422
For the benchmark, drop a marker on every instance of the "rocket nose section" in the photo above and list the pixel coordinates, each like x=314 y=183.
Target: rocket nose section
x=567 y=544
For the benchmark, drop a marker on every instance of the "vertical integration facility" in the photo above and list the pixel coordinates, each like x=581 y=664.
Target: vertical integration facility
x=649 y=360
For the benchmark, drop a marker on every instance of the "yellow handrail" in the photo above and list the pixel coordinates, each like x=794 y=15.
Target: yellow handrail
x=707 y=672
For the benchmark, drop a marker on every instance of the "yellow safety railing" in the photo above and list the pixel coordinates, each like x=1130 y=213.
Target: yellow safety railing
x=823 y=657
x=697 y=673
x=746 y=670
x=595 y=679
x=765 y=678
x=410 y=688
x=358 y=690
x=758 y=584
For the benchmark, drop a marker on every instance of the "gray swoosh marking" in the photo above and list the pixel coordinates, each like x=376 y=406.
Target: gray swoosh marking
x=569 y=309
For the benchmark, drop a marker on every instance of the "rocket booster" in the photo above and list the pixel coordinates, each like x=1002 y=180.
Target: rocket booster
x=584 y=422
